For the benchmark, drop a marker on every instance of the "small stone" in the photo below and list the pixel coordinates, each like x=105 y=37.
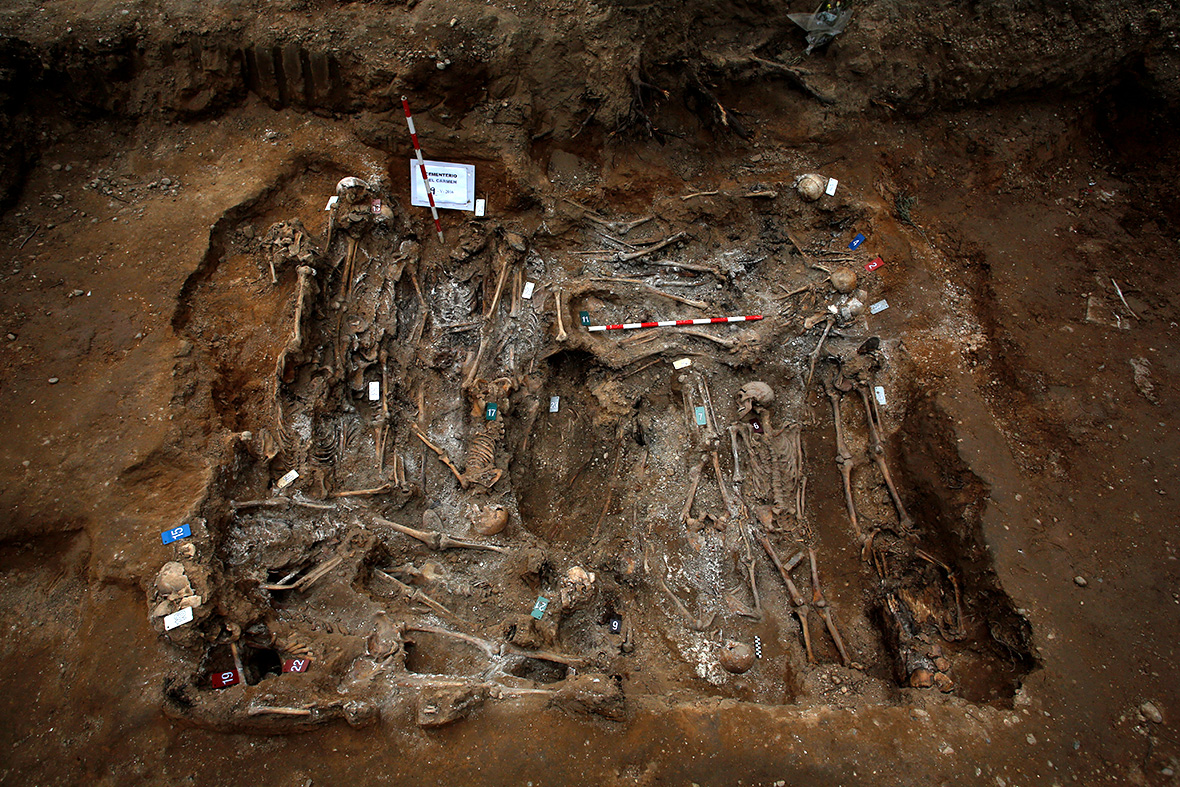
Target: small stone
x=1167 y=772
x=53 y=381
x=1151 y=712
x=58 y=197
x=1080 y=581
x=12 y=337
x=1032 y=739
x=56 y=167
x=165 y=182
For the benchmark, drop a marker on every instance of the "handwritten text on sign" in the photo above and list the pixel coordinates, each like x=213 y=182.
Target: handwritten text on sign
x=453 y=185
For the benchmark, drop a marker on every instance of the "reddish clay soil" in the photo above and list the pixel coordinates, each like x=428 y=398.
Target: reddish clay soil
x=999 y=561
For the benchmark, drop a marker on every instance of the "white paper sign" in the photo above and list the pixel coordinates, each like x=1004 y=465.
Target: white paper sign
x=682 y=363
x=879 y=390
x=453 y=185
x=178 y=618
x=879 y=306
x=527 y=294
x=554 y=403
x=832 y=183
x=287 y=479
x=374 y=391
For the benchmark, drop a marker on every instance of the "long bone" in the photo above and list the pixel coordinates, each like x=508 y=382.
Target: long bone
x=517 y=284
x=733 y=443
x=381 y=430
x=415 y=594
x=686 y=397
x=714 y=435
x=561 y=334
x=796 y=597
x=743 y=528
x=442 y=455
x=348 y=261
x=818 y=601
x=495 y=305
x=843 y=458
x=728 y=344
x=695 y=480
x=829 y=322
x=696 y=624
x=305 y=273
x=878 y=453
x=726 y=500
x=436 y=540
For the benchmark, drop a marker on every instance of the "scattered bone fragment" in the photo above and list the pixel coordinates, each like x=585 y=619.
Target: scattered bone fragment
x=1151 y=712
x=385 y=638
x=591 y=694
x=442 y=705
x=1142 y=375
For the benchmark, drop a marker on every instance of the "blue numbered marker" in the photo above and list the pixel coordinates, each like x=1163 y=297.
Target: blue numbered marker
x=859 y=239
x=168 y=536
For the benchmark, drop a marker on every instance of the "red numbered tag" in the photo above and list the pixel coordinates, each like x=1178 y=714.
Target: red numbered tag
x=296 y=665
x=876 y=263
x=376 y=206
x=223 y=679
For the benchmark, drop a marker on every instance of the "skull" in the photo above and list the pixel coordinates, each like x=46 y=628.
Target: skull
x=811 y=186
x=843 y=279
x=576 y=587
x=171 y=582
x=352 y=190
x=736 y=657
x=489 y=520
x=755 y=393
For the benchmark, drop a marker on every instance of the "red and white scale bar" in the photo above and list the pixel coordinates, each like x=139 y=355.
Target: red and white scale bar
x=422 y=165
x=627 y=326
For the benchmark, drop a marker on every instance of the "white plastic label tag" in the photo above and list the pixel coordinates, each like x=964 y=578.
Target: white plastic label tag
x=178 y=618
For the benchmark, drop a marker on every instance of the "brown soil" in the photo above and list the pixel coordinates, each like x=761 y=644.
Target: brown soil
x=1006 y=618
